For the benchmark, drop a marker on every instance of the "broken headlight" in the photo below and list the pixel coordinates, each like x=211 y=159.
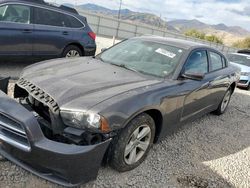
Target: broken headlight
x=85 y=120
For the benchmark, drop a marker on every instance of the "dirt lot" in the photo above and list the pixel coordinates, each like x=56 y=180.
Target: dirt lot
x=213 y=151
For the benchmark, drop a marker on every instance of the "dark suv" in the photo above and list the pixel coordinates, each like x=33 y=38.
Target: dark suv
x=38 y=29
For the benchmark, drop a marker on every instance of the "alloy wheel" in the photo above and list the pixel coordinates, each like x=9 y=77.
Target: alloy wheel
x=225 y=101
x=72 y=53
x=138 y=144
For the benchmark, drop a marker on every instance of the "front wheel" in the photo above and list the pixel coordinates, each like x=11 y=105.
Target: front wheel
x=224 y=103
x=131 y=146
x=248 y=87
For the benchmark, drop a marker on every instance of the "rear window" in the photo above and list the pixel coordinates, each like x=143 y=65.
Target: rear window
x=53 y=18
x=74 y=23
x=216 y=61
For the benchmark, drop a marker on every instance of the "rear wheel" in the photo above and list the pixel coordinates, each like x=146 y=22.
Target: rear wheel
x=72 y=51
x=131 y=146
x=224 y=103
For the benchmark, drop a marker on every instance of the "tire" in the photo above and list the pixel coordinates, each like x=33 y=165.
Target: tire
x=74 y=50
x=118 y=160
x=224 y=103
x=248 y=87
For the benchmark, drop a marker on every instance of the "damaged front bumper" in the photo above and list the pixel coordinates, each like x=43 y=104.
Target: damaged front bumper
x=23 y=142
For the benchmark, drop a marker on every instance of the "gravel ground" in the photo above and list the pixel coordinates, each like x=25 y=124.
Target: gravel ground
x=213 y=151
x=210 y=152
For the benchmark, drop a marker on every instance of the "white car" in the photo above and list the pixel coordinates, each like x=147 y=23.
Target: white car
x=243 y=62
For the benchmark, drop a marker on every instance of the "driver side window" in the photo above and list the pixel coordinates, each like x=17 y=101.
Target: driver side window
x=15 y=14
x=197 y=63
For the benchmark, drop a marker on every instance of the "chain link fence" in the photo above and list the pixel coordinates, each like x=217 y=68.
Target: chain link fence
x=119 y=29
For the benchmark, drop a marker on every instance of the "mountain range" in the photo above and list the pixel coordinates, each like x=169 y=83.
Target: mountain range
x=229 y=34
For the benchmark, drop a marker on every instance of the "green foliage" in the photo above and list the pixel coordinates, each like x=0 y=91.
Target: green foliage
x=195 y=33
x=203 y=36
x=243 y=43
x=213 y=38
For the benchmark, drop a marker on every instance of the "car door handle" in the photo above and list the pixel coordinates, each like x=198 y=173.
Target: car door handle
x=65 y=33
x=27 y=31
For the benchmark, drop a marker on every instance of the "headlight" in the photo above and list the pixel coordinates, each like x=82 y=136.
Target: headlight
x=245 y=73
x=85 y=120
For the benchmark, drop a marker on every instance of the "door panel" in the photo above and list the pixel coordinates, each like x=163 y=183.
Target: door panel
x=51 y=33
x=16 y=30
x=49 y=40
x=220 y=79
x=198 y=98
x=197 y=92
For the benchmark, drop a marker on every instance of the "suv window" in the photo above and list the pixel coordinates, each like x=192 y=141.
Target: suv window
x=74 y=23
x=197 y=62
x=53 y=18
x=15 y=13
x=2 y=11
x=216 y=61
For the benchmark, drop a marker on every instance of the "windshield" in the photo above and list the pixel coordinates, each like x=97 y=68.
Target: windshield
x=144 y=56
x=243 y=60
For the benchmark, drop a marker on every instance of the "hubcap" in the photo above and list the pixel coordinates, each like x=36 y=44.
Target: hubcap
x=72 y=53
x=137 y=145
x=225 y=101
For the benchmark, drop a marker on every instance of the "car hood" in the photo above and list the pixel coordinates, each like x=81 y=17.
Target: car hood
x=243 y=68
x=83 y=82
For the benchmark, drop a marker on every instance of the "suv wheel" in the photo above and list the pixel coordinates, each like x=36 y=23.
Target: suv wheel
x=131 y=146
x=72 y=51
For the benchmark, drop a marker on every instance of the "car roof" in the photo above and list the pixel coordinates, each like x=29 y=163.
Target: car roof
x=44 y=4
x=184 y=44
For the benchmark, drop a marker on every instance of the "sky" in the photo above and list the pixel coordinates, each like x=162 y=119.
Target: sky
x=229 y=12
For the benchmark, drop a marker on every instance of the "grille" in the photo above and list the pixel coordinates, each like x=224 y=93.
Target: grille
x=243 y=81
x=38 y=94
x=13 y=133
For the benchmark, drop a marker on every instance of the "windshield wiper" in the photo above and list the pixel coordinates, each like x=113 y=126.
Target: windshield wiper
x=124 y=66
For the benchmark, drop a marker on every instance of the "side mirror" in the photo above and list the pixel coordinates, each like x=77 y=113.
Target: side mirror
x=103 y=49
x=193 y=76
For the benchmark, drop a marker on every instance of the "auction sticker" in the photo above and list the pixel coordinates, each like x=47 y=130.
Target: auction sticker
x=165 y=52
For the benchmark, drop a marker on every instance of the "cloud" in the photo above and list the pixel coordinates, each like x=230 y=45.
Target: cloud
x=245 y=12
x=229 y=12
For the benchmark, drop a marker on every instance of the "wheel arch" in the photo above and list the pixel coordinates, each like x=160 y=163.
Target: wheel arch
x=156 y=115
x=75 y=44
x=158 y=119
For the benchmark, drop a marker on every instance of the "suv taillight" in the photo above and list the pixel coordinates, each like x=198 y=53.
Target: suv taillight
x=92 y=35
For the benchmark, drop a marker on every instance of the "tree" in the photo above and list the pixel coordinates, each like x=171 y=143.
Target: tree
x=195 y=33
x=203 y=36
x=243 y=43
x=213 y=38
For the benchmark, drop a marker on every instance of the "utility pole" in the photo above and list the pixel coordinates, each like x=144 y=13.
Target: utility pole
x=118 y=26
x=119 y=12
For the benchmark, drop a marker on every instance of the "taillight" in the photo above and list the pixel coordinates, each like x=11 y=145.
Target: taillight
x=92 y=35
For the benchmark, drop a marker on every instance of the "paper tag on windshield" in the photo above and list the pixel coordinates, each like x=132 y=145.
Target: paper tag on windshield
x=165 y=52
